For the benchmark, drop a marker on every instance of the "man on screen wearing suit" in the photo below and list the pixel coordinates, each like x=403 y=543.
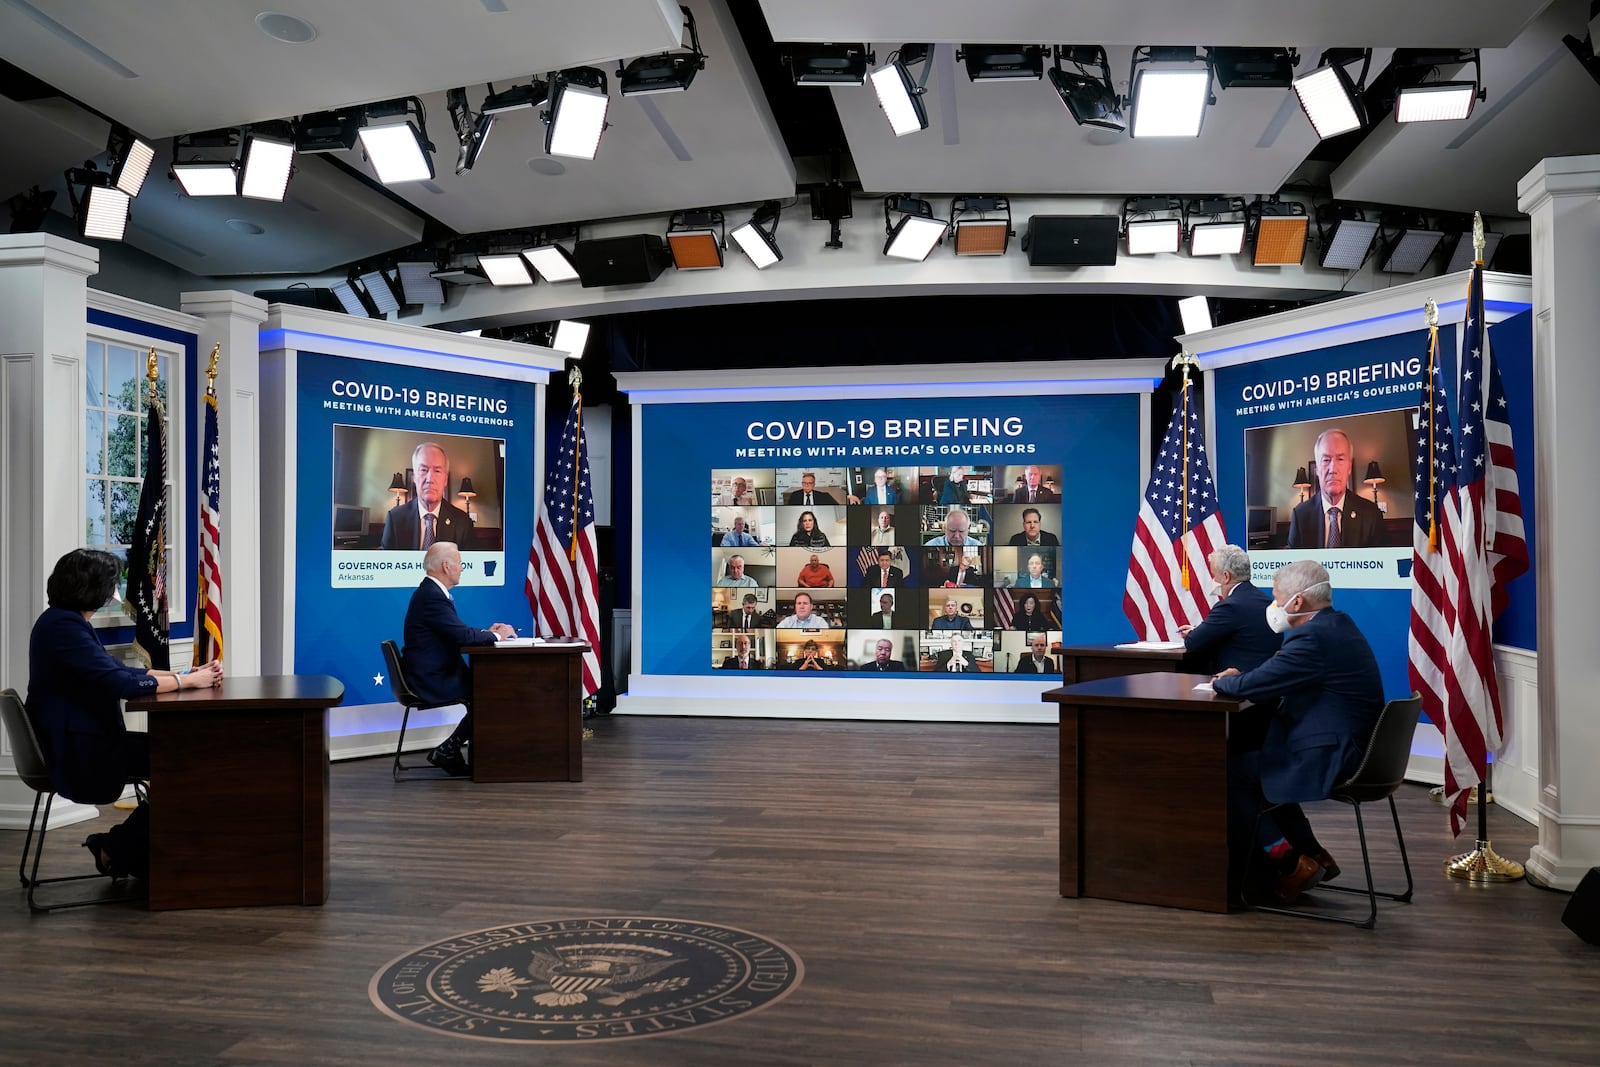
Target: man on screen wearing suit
x=882 y=663
x=428 y=518
x=1032 y=492
x=808 y=495
x=1331 y=694
x=738 y=493
x=951 y=618
x=1336 y=517
x=742 y=658
x=1038 y=660
x=1035 y=577
x=434 y=638
x=1031 y=533
x=881 y=492
x=964 y=574
x=747 y=617
x=884 y=619
x=957 y=660
x=739 y=537
x=885 y=575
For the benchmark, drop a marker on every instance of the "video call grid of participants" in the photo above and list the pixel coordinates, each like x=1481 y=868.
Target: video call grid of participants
x=887 y=569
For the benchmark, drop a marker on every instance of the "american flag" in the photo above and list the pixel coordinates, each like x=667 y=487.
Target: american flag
x=563 y=587
x=1003 y=609
x=146 y=597
x=1178 y=527
x=1432 y=609
x=1487 y=548
x=208 y=590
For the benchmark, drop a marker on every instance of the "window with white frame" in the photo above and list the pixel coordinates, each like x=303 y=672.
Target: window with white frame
x=116 y=436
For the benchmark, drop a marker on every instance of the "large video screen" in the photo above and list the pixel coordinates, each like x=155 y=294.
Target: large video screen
x=931 y=536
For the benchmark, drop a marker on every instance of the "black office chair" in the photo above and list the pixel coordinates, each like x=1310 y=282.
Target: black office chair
x=1382 y=769
x=404 y=695
x=35 y=774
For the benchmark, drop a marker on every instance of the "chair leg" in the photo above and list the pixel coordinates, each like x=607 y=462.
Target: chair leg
x=400 y=744
x=1403 y=897
x=401 y=770
x=27 y=842
x=33 y=881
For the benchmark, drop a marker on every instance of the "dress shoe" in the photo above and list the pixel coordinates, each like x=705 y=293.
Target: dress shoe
x=1330 y=866
x=449 y=760
x=1305 y=873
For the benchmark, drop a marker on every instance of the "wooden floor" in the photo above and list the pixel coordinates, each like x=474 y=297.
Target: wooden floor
x=911 y=866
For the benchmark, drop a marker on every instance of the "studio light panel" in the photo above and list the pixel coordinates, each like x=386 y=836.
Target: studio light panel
x=1170 y=103
x=505 y=268
x=396 y=152
x=553 y=263
x=105 y=212
x=754 y=242
x=914 y=237
x=1281 y=240
x=1154 y=235
x=1216 y=238
x=1328 y=98
x=1347 y=248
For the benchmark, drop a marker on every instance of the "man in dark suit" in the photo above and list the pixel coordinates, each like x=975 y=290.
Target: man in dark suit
x=1331 y=694
x=882 y=663
x=950 y=617
x=1031 y=533
x=747 y=617
x=1032 y=492
x=883 y=619
x=429 y=518
x=808 y=495
x=1037 y=661
x=964 y=574
x=885 y=575
x=434 y=638
x=1336 y=517
x=1235 y=632
x=957 y=660
x=742 y=659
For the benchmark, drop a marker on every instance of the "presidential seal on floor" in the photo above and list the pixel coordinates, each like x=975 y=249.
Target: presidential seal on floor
x=608 y=978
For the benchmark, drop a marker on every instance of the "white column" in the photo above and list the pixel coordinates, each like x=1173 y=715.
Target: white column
x=43 y=293
x=1560 y=196
x=234 y=321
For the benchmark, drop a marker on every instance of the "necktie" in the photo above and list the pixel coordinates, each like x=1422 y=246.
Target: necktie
x=1333 y=529
x=885 y=579
x=744 y=665
x=747 y=620
x=427 y=532
x=808 y=500
x=1030 y=496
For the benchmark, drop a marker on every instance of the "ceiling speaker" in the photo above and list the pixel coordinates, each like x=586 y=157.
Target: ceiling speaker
x=636 y=259
x=1072 y=240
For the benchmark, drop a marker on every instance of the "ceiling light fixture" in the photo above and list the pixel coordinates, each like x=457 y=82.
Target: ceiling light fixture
x=505 y=268
x=327 y=131
x=381 y=288
x=668 y=72
x=205 y=164
x=129 y=157
x=1003 y=62
x=758 y=238
x=552 y=260
x=1168 y=101
x=418 y=282
x=1152 y=224
x=472 y=130
x=1331 y=101
x=1223 y=231
x=1280 y=228
x=917 y=231
x=1413 y=242
x=1461 y=253
x=898 y=95
x=1091 y=101
x=266 y=161
x=1346 y=236
x=828 y=64
x=576 y=117
x=696 y=239
x=100 y=208
x=1195 y=311
x=830 y=203
x=352 y=299
x=397 y=147
x=981 y=235
x=1419 y=99
x=1258 y=68
x=570 y=337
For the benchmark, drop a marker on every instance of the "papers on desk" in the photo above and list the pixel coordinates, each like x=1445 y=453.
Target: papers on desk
x=517 y=642
x=1204 y=687
x=1153 y=646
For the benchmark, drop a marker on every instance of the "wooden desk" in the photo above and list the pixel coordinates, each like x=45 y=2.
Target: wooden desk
x=239 y=792
x=527 y=714
x=1086 y=663
x=1144 y=790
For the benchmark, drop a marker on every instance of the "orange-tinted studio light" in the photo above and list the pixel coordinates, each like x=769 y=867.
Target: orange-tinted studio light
x=982 y=237
x=695 y=249
x=1281 y=240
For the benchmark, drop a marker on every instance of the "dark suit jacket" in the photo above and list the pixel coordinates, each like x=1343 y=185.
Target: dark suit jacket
x=1360 y=523
x=1038 y=622
x=74 y=689
x=731 y=663
x=1235 y=633
x=1045 y=538
x=959 y=622
x=817 y=497
x=897 y=578
x=976 y=579
x=401 y=529
x=1026 y=666
x=1045 y=496
x=971 y=667
x=434 y=638
x=871 y=495
x=874 y=667
x=736 y=620
x=1331 y=694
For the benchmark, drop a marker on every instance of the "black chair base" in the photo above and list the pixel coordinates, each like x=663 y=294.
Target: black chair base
x=1369 y=891
x=31 y=880
x=414 y=772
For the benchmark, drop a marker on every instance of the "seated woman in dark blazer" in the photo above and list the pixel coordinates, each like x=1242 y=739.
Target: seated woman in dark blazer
x=807 y=534
x=74 y=693
x=1028 y=616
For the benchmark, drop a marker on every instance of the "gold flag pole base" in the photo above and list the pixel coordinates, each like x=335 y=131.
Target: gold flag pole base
x=1437 y=793
x=1483 y=865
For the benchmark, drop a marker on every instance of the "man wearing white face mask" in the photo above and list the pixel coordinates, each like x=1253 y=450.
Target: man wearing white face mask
x=1331 y=693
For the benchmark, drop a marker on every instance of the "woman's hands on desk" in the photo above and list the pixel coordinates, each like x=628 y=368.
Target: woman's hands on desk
x=208 y=676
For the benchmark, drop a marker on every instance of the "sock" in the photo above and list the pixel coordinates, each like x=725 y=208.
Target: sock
x=1279 y=849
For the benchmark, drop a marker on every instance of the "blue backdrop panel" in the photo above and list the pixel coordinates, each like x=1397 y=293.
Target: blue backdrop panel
x=1095 y=439
x=337 y=631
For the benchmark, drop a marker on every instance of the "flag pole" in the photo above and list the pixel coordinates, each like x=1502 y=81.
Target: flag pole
x=1183 y=361
x=1482 y=865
